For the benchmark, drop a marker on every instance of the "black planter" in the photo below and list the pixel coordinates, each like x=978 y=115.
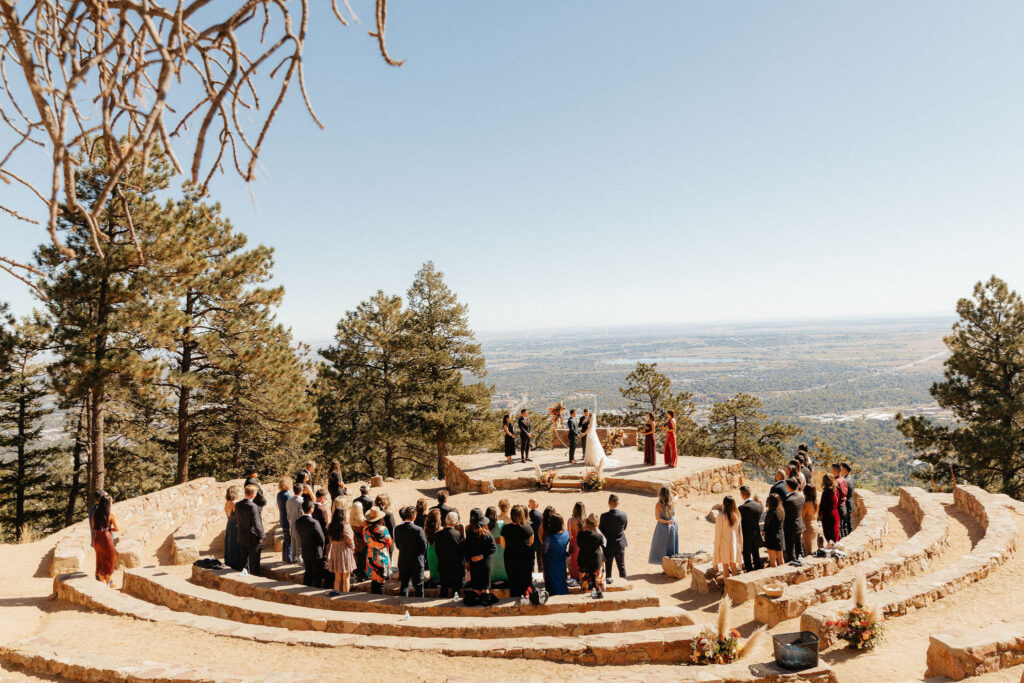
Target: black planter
x=796 y=651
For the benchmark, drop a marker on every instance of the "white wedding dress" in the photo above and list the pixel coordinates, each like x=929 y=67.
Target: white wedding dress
x=595 y=451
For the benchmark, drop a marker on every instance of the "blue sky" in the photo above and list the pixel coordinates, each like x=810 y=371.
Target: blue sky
x=579 y=164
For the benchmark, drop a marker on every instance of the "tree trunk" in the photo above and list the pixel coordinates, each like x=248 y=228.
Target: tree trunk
x=184 y=393
x=19 y=484
x=76 y=466
x=389 y=459
x=442 y=454
x=96 y=464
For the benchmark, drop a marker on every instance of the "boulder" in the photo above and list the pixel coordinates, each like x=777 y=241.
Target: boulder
x=678 y=566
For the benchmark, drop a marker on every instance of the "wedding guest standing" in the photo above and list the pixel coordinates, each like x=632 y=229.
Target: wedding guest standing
x=573 y=427
x=442 y=504
x=341 y=558
x=750 y=518
x=250 y=529
x=517 y=539
x=383 y=501
x=525 y=436
x=510 y=438
x=104 y=524
x=252 y=480
x=556 y=547
x=666 y=532
x=828 y=509
x=809 y=538
x=842 y=495
x=579 y=514
x=364 y=499
x=479 y=548
x=430 y=528
x=232 y=551
x=284 y=492
x=306 y=478
x=335 y=484
x=504 y=506
x=848 y=518
x=728 y=538
x=536 y=521
x=378 y=547
x=314 y=545
x=591 y=557
x=650 y=453
x=498 y=572
x=670 y=440
x=358 y=522
x=294 y=511
x=320 y=510
x=421 y=513
x=793 y=524
x=412 y=552
x=613 y=525
x=779 y=487
x=774 y=537
x=451 y=562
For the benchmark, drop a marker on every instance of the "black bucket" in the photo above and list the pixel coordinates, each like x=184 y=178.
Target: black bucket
x=796 y=651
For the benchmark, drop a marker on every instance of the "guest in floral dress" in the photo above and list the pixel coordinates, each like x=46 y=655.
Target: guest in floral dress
x=378 y=549
x=341 y=557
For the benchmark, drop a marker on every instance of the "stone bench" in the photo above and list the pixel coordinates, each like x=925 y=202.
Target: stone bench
x=958 y=654
x=41 y=657
x=270 y=590
x=666 y=645
x=70 y=551
x=994 y=548
x=186 y=538
x=872 y=517
x=910 y=558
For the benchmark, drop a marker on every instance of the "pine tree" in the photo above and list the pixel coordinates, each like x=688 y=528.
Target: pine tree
x=445 y=408
x=738 y=430
x=25 y=487
x=984 y=388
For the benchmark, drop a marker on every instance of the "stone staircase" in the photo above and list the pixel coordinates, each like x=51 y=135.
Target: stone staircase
x=568 y=482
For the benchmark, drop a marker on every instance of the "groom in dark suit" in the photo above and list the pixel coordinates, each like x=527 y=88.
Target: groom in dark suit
x=584 y=423
x=574 y=434
x=524 y=436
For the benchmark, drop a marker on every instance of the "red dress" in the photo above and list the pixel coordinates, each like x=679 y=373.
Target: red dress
x=670 y=444
x=650 y=453
x=828 y=513
x=574 y=555
x=103 y=544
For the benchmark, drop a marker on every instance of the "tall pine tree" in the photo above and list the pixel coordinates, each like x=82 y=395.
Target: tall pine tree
x=738 y=430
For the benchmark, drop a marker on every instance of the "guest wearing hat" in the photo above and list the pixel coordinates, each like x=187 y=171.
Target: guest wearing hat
x=378 y=547
x=591 y=556
x=478 y=549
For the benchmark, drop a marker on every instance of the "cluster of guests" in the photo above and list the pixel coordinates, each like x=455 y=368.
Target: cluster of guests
x=787 y=525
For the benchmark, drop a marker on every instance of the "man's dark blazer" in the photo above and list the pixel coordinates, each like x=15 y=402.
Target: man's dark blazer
x=536 y=519
x=750 y=524
x=779 y=487
x=450 y=559
x=250 y=524
x=259 y=498
x=445 y=509
x=365 y=502
x=793 y=506
x=412 y=547
x=850 y=505
x=574 y=429
x=613 y=526
x=319 y=514
x=312 y=539
x=524 y=428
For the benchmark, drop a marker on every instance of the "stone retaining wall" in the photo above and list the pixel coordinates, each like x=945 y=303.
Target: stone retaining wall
x=185 y=541
x=69 y=553
x=958 y=654
x=910 y=558
x=994 y=548
x=872 y=519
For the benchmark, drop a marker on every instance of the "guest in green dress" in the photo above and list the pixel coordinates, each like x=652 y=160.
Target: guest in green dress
x=431 y=526
x=498 y=572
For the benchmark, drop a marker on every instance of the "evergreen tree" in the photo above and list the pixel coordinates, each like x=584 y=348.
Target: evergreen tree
x=445 y=408
x=25 y=487
x=738 y=430
x=983 y=386
x=648 y=390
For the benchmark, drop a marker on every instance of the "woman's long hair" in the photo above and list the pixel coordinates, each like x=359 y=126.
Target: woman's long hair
x=775 y=506
x=811 y=496
x=730 y=510
x=335 y=467
x=549 y=512
x=355 y=516
x=506 y=420
x=492 y=518
x=336 y=529
x=665 y=498
x=101 y=519
x=828 y=485
x=432 y=525
x=579 y=512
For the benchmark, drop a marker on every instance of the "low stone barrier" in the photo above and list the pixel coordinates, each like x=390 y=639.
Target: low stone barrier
x=958 y=654
x=185 y=541
x=910 y=558
x=42 y=657
x=872 y=517
x=994 y=548
x=69 y=553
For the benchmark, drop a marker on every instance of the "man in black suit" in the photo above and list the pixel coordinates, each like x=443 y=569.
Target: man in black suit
x=793 y=524
x=442 y=504
x=574 y=434
x=846 y=521
x=524 y=436
x=250 y=529
x=536 y=519
x=779 y=487
x=313 y=543
x=305 y=477
x=613 y=526
x=320 y=513
x=412 y=552
x=364 y=500
x=584 y=423
x=750 y=521
x=451 y=561
x=251 y=480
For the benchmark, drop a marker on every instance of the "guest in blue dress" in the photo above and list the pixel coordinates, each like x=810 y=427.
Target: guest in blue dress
x=666 y=531
x=232 y=551
x=556 y=553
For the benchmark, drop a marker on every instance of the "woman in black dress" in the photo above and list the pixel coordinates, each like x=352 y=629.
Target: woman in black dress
x=335 y=485
x=479 y=546
x=517 y=539
x=510 y=439
x=774 y=539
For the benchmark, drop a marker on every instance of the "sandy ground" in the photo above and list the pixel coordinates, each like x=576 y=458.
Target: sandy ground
x=27 y=610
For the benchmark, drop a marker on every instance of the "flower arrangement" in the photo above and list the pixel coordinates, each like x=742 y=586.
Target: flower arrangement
x=555 y=410
x=860 y=626
x=593 y=478
x=613 y=440
x=722 y=645
x=545 y=480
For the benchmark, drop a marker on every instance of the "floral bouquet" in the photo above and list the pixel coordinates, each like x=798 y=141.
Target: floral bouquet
x=860 y=626
x=555 y=410
x=613 y=440
x=545 y=480
x=721 y=645
x=593 y=479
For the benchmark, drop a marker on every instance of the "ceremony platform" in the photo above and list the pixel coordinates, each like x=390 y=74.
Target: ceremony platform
x=624 y=471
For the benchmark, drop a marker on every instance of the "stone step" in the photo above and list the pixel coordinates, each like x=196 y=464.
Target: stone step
x=230 y=581
x=154 y=585
x=665 y=645
x=960 y=653
x=567 y=485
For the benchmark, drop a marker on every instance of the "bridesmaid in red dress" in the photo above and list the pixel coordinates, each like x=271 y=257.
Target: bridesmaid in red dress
x=650 y=454
x=104 y=524
x=670 y=440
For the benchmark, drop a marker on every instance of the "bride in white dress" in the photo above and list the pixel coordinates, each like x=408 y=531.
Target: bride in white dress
x=595 y=451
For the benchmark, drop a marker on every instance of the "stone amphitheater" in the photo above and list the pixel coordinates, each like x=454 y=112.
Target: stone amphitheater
x=941 y=567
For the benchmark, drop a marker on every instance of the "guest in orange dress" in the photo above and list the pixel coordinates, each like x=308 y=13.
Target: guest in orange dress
x=104 y=524
x=670 y=440
x=650 y=453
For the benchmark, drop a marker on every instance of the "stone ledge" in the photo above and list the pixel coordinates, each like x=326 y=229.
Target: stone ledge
x=185 y=540
x=285 y=592
x=910 y=558
x=867 y=539
x=958 y=654
x=670 y=645
x=994 y=548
